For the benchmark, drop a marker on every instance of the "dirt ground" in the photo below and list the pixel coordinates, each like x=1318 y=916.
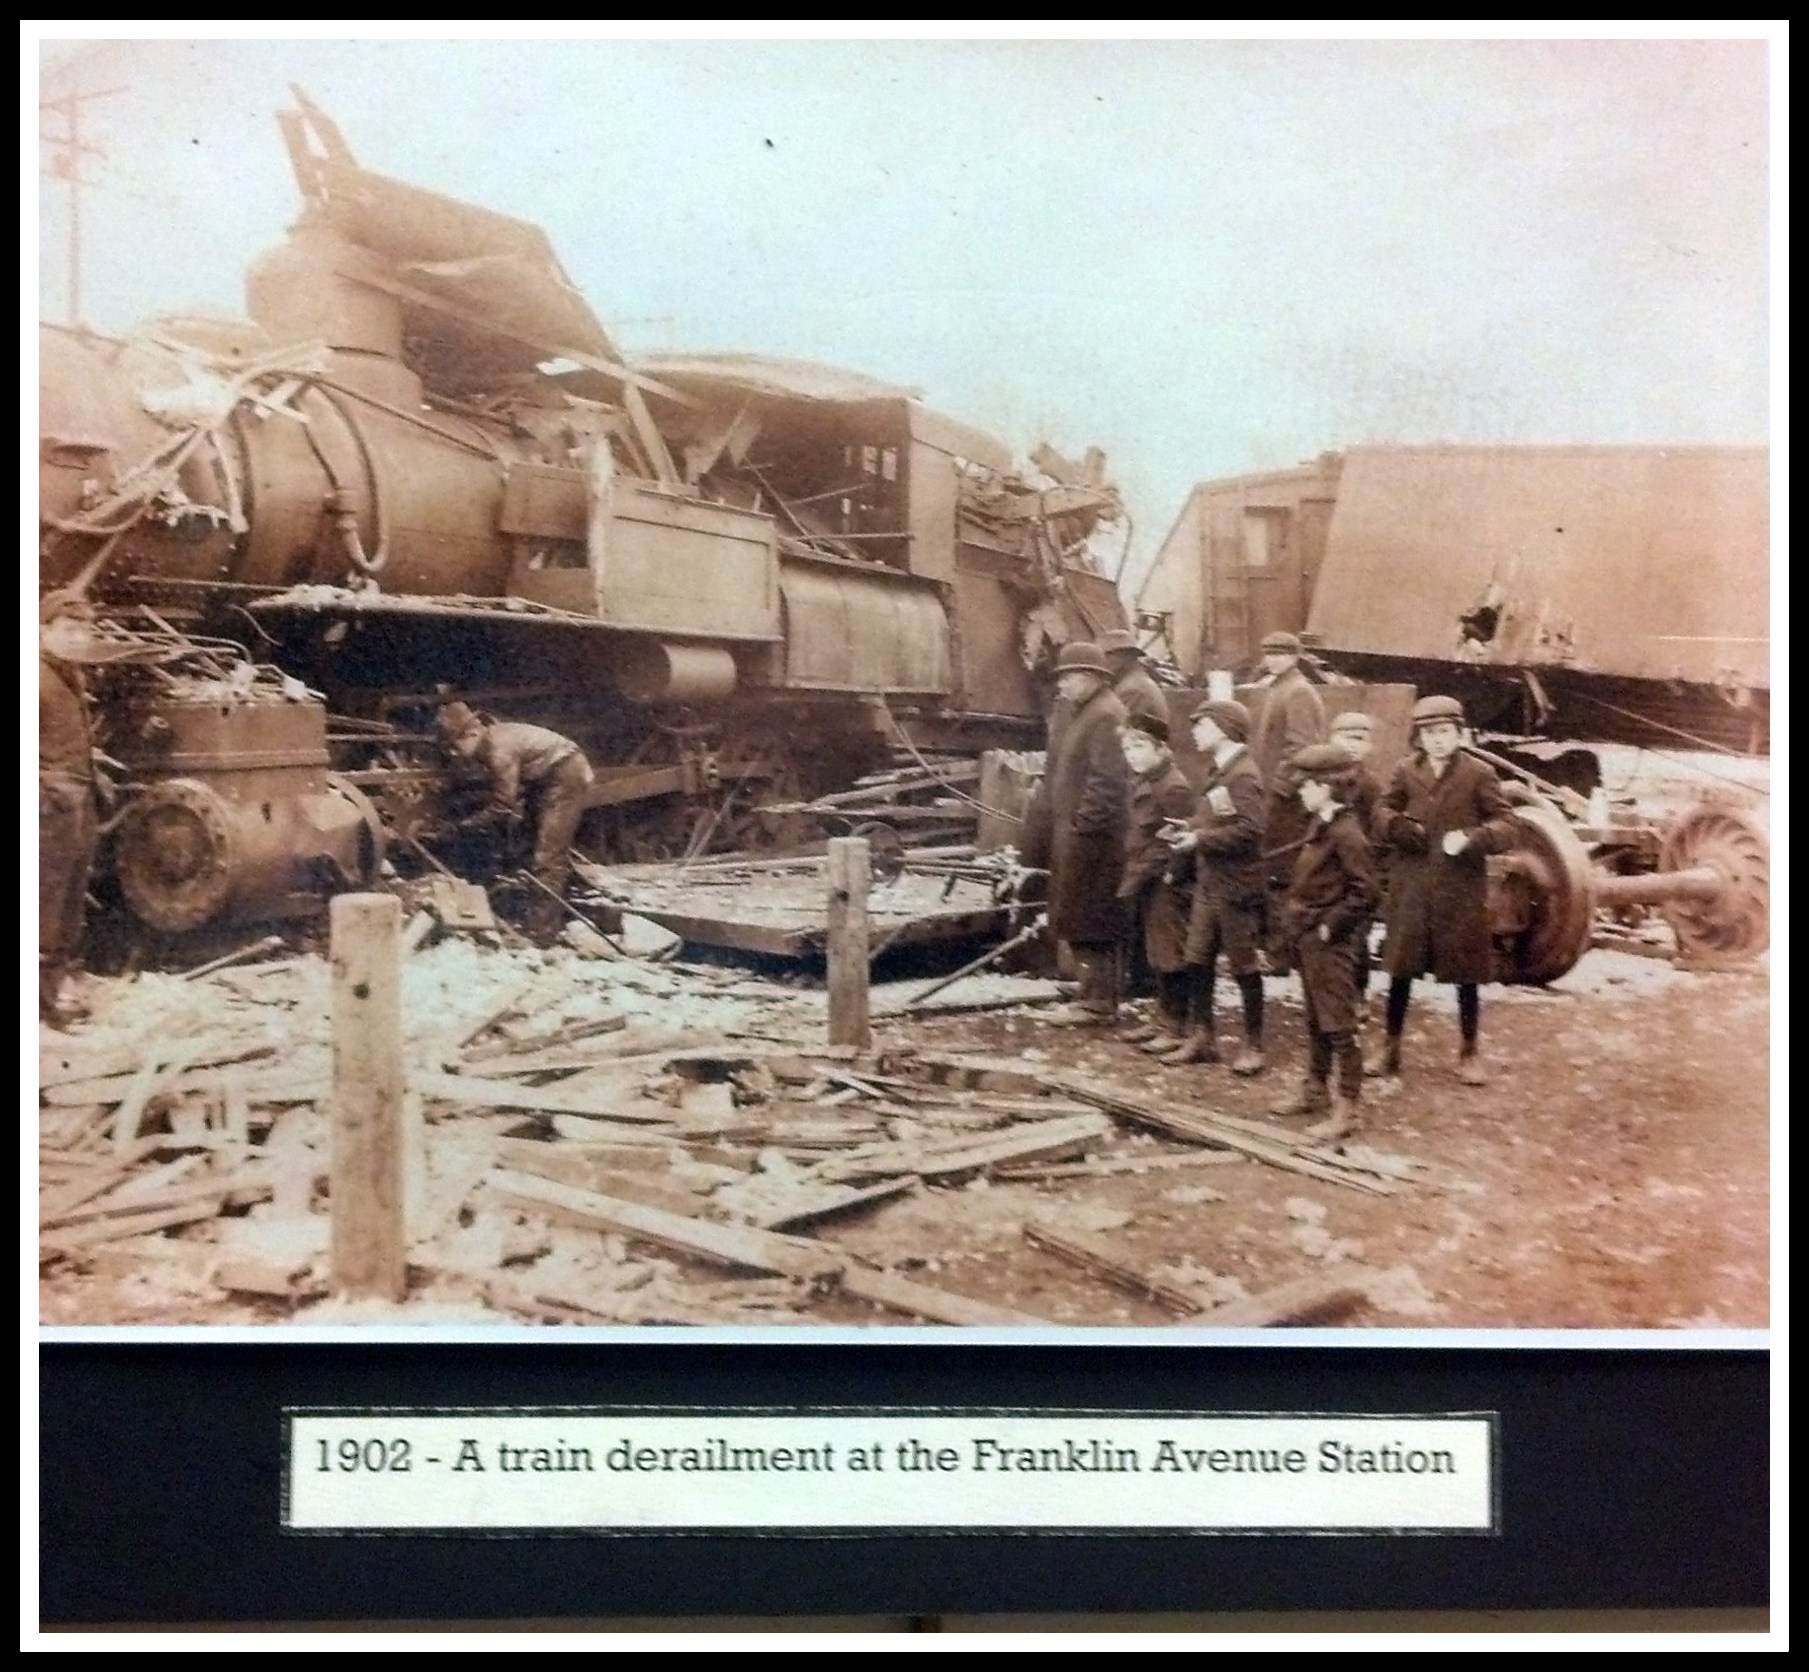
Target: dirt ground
x=1612 y=1175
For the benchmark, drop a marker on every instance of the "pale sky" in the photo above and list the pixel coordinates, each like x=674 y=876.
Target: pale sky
x=1205 y=257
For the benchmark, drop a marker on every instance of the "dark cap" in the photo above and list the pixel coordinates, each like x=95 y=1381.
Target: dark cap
x=455 y=719
x=1232 y=718
x=1117 y=641
x=1430 y=711
x=1354 y=722
x=1081 y=657
x=1320 y=761
x=1151 y=725
x=1281 y=644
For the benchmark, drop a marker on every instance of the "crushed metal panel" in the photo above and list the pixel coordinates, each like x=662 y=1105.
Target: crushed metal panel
x=663 y=562
x=772 y=377
x=1642 y=562
x=854 y=630
x=958 y=440
x=475 y=258
x=1090 y=603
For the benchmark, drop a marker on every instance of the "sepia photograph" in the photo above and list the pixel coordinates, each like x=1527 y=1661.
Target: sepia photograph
x=993 y=685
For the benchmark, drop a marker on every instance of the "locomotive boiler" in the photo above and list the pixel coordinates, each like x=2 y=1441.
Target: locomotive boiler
x=422 y=469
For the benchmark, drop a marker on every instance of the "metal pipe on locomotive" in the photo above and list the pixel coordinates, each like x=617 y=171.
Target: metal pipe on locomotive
x=422 y=468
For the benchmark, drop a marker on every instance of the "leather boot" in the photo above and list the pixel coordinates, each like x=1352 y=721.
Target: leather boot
x=1384 y=1064
x=1340 y=1121
x=1198 y=1046
x=1249 y=1061
x=1309 y=1098
x=1470 y=1071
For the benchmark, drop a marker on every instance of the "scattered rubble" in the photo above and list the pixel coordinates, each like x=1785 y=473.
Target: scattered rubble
x=622 y=1140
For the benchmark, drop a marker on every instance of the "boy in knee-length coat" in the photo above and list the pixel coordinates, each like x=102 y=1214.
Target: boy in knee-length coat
x=1441 y=816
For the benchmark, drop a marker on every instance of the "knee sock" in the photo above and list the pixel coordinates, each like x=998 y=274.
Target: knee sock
x=1400 y=990
x=1204 y=981
x=1320 y=1048
x=1349 y=1057
x=1250 y=988
x=1171 y=1000
x=1469 y=1015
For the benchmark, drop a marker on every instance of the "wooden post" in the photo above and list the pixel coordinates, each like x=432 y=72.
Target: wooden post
x=369 y=1239
x=848 y=875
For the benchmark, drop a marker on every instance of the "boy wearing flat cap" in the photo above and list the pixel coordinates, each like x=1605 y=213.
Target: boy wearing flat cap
x=1440 y=817
x=1331 y=895
x=1159 y=796
x=1224 y=848
x=1355 y=733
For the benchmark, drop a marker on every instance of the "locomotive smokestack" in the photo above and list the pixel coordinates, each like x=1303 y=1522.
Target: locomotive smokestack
x=303 y=292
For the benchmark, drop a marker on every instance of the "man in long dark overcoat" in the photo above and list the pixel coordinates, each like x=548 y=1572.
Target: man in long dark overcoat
x=1078 y=820
x=1132 y=683
x=1441 y=816
x=1291 y=715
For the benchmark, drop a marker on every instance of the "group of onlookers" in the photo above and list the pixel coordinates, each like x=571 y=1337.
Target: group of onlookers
x=1281 y=857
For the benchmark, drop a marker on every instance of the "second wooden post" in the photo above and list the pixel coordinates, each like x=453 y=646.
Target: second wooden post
x=848 y=875
x=369 y=1238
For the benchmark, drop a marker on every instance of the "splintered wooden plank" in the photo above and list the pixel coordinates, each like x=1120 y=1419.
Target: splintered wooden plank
x=919 y=1300
x=472 y=1093
x=1103 y=1166
x=978 y=1073
x=728 y=1245
x=1094 y=1256
x=556 y=1163
x=804 y=1203
x=98 y=1177
x=1205 y=1129
x=558 y=1040
x=78 y=1064
x=246 y=1187
x=949 y=1159
x=77 y=1237
x=1322 y=1298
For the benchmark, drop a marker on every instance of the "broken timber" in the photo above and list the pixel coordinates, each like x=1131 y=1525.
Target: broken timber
x=1322 y=1298
x=746 y=1248
x=1092 y=1255
x=1207 y=1129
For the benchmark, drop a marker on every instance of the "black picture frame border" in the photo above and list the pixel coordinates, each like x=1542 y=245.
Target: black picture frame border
x=1630 y=1478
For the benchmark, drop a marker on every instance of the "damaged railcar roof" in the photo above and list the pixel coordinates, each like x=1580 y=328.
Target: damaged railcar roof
x=773 y=378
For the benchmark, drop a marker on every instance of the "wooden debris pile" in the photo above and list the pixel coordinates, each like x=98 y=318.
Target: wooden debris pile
x=616 y=1143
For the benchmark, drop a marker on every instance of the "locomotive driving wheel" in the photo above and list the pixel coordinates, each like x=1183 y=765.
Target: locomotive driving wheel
x=1541 y=898
x=1736 y=923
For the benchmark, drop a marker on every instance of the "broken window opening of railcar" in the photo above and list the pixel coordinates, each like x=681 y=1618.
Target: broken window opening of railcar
x=1478 y=626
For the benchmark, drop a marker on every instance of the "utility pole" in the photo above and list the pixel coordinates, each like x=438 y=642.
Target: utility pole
x=66 y=165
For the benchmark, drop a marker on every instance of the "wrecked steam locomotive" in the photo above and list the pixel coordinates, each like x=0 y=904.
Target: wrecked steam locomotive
x=422 y=469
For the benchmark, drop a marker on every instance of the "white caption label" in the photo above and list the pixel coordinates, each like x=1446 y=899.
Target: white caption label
x=645 y=1471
